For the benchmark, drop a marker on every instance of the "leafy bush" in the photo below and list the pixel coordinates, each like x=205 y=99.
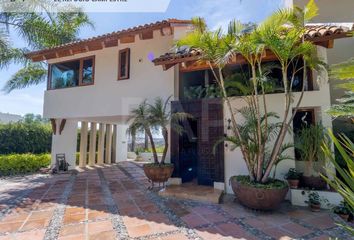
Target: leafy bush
x=22 y=163
x=25 y=137
x=271 y=184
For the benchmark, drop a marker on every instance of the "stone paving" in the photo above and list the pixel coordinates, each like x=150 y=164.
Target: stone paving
x=113 y=202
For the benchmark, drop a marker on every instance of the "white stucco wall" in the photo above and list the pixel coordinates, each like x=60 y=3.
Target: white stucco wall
x=65 y=143
x=320 y=100
x=109 y=97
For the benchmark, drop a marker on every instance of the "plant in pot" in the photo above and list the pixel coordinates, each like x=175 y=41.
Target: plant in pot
x=293 y=178
x=137 y=151
x=343 y=210
x=315 y=201
x=282 y=36
x=309 y=143
x=153 y=117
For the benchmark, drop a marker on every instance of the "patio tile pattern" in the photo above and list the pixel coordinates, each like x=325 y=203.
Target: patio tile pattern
x=112 y=202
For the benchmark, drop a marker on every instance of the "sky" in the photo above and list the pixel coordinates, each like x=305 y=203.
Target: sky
x=216 y=12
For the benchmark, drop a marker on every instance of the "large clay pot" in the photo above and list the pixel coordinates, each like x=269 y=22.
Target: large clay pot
x=316 y=183
x=158 y=174
x=258 y=198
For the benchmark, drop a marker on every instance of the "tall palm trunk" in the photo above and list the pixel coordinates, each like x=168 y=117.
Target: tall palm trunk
x=132 y=147
x=165 y=137
x=154 y=153
x=146 y=141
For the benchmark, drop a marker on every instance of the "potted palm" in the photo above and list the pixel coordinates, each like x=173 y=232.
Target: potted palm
x=309 y=145
x=282 y=36
x=293 y=178
x=155 y=117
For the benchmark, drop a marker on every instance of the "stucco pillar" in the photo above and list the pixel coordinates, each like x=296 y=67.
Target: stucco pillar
x=121 y=143
x=65 y=143
x=114 y=144
x=92 y=155
x=83 y=144
x=100 y=152
x=108 y=156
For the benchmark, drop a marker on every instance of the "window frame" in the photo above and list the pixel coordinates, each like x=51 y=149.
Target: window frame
x=80 y=83
x=127 y=62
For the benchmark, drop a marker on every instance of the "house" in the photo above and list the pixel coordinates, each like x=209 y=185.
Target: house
x=94 y=83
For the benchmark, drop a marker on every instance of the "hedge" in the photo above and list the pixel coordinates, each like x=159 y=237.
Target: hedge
x=22 y=137
x=14 y=164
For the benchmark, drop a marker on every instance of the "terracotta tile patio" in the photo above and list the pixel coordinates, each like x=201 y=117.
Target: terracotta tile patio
x=113 y=203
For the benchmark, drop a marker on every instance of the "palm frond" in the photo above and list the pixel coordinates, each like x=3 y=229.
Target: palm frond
x=32 y=74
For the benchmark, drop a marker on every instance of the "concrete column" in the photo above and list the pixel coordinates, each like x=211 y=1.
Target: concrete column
x=122 y=143
x=108 y=159
x=114 y=144
x=83 y=144
x=92 y=155
x=100 y=153
x=65 y=143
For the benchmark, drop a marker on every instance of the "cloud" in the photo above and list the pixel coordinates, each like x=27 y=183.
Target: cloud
x=21 y=103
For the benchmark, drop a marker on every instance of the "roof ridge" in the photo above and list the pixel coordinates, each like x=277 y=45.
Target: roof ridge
x=141 y=27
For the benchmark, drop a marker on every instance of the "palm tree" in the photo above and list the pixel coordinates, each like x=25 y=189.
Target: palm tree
x=345 y=184
x=162 y=117
x=345 y=72
x=141 y=121
x=281 y=34
x=39 y=29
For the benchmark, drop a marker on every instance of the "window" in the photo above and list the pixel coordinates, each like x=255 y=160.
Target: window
x=74 y=73
x=124 y=64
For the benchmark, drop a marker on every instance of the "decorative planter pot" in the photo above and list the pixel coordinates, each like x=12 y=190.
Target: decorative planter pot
x=344 y=216
x=315 y=207
x=293 y=183
x=158 y=174
x=258 y=198
x=316 y=183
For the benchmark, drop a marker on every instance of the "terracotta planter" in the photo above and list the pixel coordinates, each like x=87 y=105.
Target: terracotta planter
x=293 y=183
x=315 y=207
x=316 y=183
x=158 y=174
x=258 y=198
x=344 y=216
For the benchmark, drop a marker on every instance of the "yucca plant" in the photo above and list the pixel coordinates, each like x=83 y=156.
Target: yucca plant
x=344 y=182
x=282 y=34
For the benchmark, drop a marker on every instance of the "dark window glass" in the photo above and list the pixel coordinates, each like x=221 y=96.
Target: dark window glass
x=65 y=74
x=87 y=71
x=123 y=70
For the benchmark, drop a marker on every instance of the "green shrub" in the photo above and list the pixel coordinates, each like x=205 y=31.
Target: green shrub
x=271 y=184
x=13 y=164
x=25 y=137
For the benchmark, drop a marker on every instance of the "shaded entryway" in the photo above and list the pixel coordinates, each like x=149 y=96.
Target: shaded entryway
x=194 y=153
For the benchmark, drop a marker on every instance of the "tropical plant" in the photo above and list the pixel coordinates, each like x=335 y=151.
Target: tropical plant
x=156 y=116
x=342 y=208
x=293 y=174
x=141 y=121
x=309 y=144
x=344 y=72
x=41 y=25
x=282 y=34
x=344 y=182
x=162 y=117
